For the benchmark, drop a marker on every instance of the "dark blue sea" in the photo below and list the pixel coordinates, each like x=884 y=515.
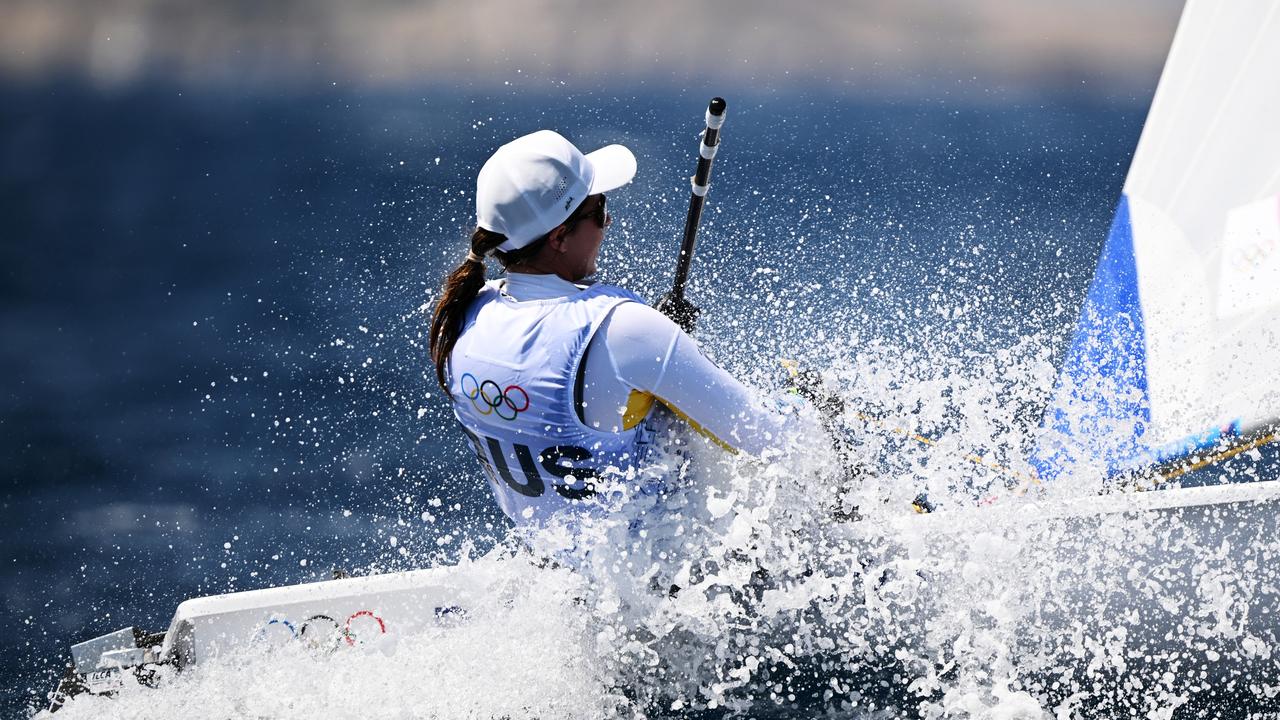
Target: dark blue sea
x=214 y=360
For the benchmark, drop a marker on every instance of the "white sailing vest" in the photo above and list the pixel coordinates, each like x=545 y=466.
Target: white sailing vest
x=514 y=378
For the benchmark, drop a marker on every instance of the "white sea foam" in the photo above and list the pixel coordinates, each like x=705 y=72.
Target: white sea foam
x=741 y=592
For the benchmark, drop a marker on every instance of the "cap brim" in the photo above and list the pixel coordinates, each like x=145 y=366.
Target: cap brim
x=613 y=165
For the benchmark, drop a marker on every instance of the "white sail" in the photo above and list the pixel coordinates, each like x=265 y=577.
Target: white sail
x=1180 y=334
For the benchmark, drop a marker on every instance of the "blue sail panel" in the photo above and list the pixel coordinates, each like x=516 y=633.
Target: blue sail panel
x=1101 y=406
x=1177 y=346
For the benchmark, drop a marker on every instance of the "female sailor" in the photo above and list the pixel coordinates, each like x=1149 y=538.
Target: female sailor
x=552 y=378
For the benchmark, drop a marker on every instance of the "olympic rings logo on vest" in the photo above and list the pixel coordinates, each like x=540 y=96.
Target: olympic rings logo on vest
x=488 y=397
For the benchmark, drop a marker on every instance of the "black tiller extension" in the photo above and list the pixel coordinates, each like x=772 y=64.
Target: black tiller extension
x=673 y=304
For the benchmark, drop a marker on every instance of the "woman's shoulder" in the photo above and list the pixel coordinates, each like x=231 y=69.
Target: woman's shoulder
x=614 y=291
x=492 y=290
x=638 y=319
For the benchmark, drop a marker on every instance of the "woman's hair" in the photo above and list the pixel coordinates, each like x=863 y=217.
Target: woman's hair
x=462 y=286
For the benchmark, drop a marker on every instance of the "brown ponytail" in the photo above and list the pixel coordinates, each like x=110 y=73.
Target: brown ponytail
x=461 y=287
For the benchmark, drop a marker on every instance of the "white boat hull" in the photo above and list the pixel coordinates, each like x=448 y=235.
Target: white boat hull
x=1179 y=589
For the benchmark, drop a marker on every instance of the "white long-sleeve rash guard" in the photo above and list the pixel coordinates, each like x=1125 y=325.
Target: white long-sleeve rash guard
x=639 y=356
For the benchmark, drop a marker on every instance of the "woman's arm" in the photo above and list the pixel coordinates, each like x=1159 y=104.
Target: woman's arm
x=650 y=355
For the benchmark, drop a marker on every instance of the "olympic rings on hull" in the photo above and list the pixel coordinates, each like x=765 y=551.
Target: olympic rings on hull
x=488 y=397
x=351 y=636
x=323 y=633
x=276 y=631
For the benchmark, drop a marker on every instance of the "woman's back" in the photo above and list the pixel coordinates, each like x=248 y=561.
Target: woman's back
x=514 y=376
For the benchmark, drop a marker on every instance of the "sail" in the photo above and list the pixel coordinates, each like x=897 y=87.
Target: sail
x=1179 y=337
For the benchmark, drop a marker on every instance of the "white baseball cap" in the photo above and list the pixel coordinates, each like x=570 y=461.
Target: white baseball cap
x=534 y=183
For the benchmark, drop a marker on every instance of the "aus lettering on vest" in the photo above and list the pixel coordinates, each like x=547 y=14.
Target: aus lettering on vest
x=526 y=479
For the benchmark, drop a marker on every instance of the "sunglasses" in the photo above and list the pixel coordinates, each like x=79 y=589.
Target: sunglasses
x=599 y=213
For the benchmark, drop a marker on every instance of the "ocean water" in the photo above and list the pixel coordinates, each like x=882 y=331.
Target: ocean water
x=214 y=312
